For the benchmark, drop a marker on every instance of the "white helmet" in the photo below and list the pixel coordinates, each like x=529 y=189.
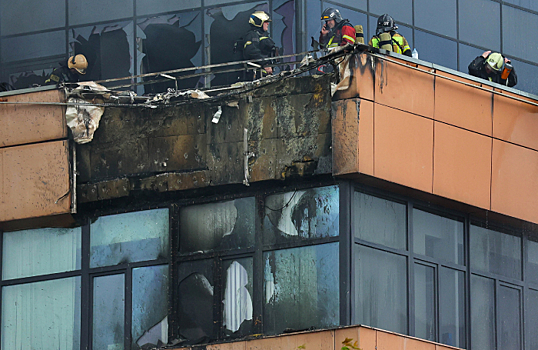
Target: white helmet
x=258 y=17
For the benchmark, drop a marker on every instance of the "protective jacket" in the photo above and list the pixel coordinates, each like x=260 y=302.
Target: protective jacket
x=343 y=33
x=477 y=68
x=399 y=43
x=258 y=44
x=62 y=74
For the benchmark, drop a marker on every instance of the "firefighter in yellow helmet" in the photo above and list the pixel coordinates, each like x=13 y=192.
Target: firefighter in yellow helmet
x=387 y=38
x=494 y=67
x=258 y=44
x=70 y=71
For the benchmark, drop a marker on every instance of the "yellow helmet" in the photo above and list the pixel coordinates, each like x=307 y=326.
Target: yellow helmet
x=78 y=63
x=258 y=17
x=496 y=61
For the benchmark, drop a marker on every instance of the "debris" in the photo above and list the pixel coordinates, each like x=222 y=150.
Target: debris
x=83 y=118
x=216 y=116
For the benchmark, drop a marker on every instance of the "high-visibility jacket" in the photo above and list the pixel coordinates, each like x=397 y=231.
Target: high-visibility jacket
x=341 y=35
x=399 y=44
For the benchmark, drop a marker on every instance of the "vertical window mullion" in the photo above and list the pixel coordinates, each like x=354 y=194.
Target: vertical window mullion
x=128 y=306
x=86 y=289
x=410 y=272
x=345 y=251
x=258 y=267
x=467 y=259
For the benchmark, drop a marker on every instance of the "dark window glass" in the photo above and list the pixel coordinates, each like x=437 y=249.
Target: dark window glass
x=129 y=237
x=475 y=15
x=283 y=26
x=452 y=307
x=42 y=315
x=515 y=44
x=305 y=214
x=400 y=10
x=27 y=16
x=301 y=288
x=495 y=252
x=81 y=12
x=313 y=22
x=356 y=4
x=381 y=289
x=482 y=313
x=195 y=300
x=437 y=237
x=532 y=262
x=444 y=24
x=147 y=7
x=529 y=4
x=40 y=252
x=237 y=298
x=33 y=46
x=170 y=42
x=425 y=302
x=467 y=55
x=531 y=319
x=150 y=306
x=222 y=225
x=108 y=312
x=524 y=71
x=380 y=221
x=509 y=316
x=435 y=49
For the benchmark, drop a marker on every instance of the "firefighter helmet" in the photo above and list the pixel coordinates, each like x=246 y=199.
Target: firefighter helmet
x=78 y=63
x=385 y=23
x=258 y=18
x=495 y=61
x=331 y=13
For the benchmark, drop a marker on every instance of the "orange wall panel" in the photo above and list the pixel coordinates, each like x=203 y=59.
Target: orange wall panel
x=345 y=136
x=35 y=178
x=515 y=121
x=366 y=138
x=464 y=106
x=404 y=88
x=22 y=124
x=514 y=181
x=462 y=165
x=403 y=148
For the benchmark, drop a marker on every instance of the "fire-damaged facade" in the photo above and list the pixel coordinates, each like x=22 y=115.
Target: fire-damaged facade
x=392 y=208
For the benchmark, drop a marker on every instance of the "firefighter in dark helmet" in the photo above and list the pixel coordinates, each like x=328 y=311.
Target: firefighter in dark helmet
x=336 y=31
x=70 y=71
x=387 y=38
x=258 y=44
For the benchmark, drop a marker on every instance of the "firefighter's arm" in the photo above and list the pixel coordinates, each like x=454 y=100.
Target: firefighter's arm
x=476 y=65
x=512 y=78
x=348 y=35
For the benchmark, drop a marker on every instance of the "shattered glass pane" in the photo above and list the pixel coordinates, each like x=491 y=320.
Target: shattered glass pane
x=224 y=225
x=129 y=237
x=305 y=214
x=237 y=300
x=380 y=221
x=150 y=307
x=40 y=252
x=195 y=299
x=301 y=288
x=42 y=315
x=108 y=312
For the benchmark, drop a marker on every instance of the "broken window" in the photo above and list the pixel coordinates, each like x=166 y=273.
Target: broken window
x=150 y=306
x=130 y=237
x=301 y=288
x=304 y=214
x=108 y=312
x=224 y=225
x=195 y=301
x=40 y=252
x=42 y=315
x=237 y=300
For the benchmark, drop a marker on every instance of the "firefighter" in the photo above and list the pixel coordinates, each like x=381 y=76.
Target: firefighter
x=70 y=71
x=387 y=38
x=336 y=31
x=494 y=67
x=258 y=44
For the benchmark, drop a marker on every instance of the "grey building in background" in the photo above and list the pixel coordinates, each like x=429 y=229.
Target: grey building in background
x=131 y=37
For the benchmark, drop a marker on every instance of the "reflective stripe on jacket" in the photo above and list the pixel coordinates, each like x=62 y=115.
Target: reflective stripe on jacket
x=399 y=43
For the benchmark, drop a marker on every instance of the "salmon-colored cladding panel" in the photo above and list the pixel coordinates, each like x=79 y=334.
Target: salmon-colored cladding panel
x=404 y=88
x=462 y=165
x=462 y=105
x=514 y=181
x=27 y=123
x=403 y=148
x=515 y=121
x=366 y=138
x=35 y=180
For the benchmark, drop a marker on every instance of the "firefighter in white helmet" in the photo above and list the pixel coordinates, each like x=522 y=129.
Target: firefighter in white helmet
x=258 y=44
x=494 y=67
x=70 y=71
